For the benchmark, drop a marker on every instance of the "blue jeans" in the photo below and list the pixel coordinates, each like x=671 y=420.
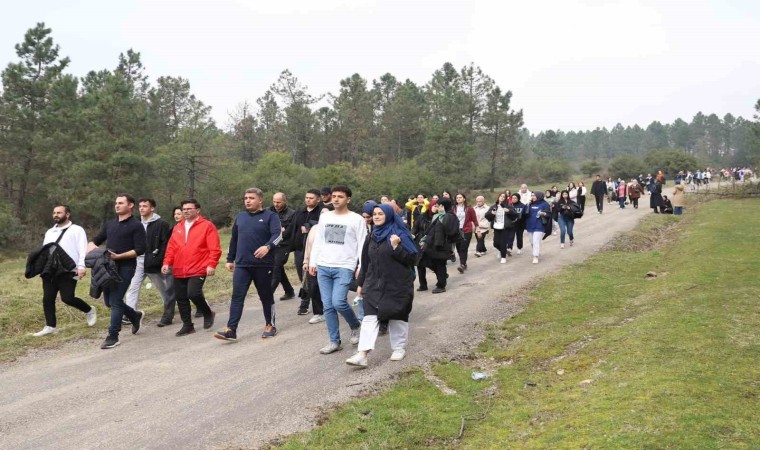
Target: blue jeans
x=622 y=201
x=333 y=286
x=565 y=226
x=114 y=299
x=678 y=210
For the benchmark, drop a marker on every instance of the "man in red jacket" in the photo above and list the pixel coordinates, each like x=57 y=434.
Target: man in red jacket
x=192 y=254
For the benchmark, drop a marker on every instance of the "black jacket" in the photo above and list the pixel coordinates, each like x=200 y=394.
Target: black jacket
x=157 y=237
x=49 y=260
x=306 y=218
x=599 y=187
x=387 y=280
x=510 y=215
x=286 y=217
x=104 y=274
x=440 y=235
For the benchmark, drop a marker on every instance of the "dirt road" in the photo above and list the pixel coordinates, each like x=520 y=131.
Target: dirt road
x=159 y=391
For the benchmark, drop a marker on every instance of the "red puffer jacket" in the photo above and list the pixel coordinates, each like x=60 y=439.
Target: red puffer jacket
x=201 y=250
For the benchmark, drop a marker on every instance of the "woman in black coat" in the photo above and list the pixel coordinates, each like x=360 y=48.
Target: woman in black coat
x=386 y=282
x=421 y=223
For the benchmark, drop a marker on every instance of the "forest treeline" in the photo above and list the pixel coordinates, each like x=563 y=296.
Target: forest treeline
x=81 y=140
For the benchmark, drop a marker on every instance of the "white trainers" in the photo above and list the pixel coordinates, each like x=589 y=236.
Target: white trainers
x=355 y=335
x=503 y=260
x=317 y=318
x=561 y=245
x=519 y=251
x=92 y=317
x=332 y=347
x=45 y=331
x=358 y=360
x=535 y=260
x=398 y=354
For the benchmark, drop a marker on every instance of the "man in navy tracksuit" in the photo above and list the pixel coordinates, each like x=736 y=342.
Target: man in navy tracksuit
x=255 y=234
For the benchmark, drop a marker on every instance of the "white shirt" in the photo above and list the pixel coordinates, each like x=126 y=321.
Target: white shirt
x=339 y=241
x=73 y=242
x=188 y=224
x=573 y=194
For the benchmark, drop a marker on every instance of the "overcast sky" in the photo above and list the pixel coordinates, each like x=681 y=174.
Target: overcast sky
x=571 y=65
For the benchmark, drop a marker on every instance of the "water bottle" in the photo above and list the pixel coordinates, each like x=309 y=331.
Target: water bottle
x=359 y=303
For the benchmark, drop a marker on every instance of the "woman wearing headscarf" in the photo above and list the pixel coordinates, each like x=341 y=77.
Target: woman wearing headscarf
x=437 y=241
x=386 y=283
x=538 y=222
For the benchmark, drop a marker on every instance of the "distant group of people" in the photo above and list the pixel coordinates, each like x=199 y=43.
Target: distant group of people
x=378 y=253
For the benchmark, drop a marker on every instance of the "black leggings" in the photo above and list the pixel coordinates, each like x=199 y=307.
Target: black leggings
x=501 y=239
x=516 y=232
x=187 y=290
x=66 y=285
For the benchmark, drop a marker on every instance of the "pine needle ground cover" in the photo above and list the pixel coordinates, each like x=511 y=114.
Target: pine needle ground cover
x=602 y=356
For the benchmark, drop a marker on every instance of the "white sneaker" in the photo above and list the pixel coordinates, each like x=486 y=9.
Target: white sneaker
x=503 y=260
x=535 y=260
x=355 y=336
x=332 y=347
x=555 y=233
x=398 y=354
x=519 y=252
x=561 y=245
x=92 y=317
x=317 y=318
x=45 y=331
x=357 y=360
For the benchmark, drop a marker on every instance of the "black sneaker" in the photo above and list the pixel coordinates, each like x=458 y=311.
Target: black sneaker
x=438 y=290
x=288 y=296
x=185 y=330
x=460 y=268
x=303 y=311
x=208 y=322
x=422 y=288
x=383 y=328
x=162 y=324
x=198 y=314
x=137 y=325
x=227 y=334
x=110 y=342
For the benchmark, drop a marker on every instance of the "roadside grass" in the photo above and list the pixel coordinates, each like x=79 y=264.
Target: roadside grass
x=21 y=306
x=601 y=356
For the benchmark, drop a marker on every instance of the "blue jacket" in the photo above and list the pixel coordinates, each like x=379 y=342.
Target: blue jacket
x=251 y=231
x=533 y=222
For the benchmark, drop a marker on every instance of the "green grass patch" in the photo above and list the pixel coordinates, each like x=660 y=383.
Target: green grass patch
x=21 y=306
x=602 y=357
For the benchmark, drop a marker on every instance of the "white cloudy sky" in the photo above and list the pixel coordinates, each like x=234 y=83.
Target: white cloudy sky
x=571 y=64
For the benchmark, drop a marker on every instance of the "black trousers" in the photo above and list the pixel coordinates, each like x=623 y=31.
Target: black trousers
x=313 y=295
x=481 y=245
x=187 y=290
x=463 y=246
x=599 y=202
x=278 y=273
x=516 y=232
x=582 y=202
x=438 y=266
x=501 y=240
x=66 y=285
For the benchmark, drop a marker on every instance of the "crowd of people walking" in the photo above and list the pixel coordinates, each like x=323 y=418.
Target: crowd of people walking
x=379 y=253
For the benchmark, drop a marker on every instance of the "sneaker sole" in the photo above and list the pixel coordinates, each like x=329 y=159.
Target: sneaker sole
x=106 y=347
x=185 y=334
x=224 y=338
x=356 y=364
x=333 y=351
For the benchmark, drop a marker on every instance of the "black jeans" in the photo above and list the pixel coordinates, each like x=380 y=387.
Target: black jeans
x=114 y=299
x=313 y=295
x=599 y=202
x=187 y=290
x=582 y=202
x=278 y=274
x=463 y=246
x=481 y=245
x=66 y=285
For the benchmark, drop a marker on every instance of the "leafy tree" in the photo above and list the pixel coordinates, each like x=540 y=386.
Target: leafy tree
x=298 y=116
x=24 y=113
x=627 y=166
x=501 y=134
x=591 y=167
x=544 y=170
x=355 y=108
x=670 y=161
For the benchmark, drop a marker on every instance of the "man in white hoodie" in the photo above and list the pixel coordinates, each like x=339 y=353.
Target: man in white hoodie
x=72 y=240
x=335 y=260
x=157 y=234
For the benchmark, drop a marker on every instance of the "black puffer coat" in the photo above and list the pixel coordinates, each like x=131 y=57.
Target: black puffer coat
x=387 y=281
x=104 y=274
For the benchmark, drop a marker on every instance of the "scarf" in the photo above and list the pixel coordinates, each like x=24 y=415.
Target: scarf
x=393 y=225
